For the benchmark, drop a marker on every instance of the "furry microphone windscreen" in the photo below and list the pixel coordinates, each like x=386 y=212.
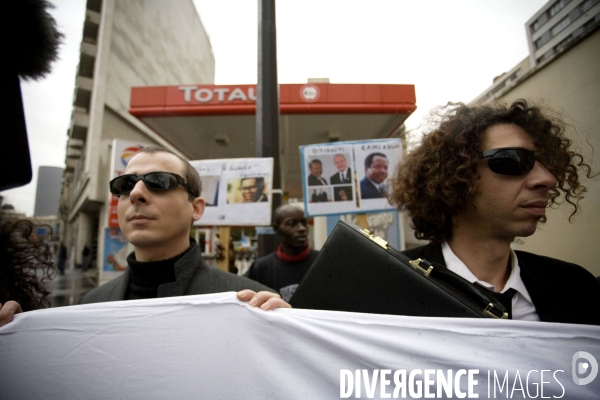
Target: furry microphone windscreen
x=32 y=37
x=31 y=42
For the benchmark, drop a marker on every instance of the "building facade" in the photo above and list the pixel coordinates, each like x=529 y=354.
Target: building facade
x=47 y=193
x=125 y=44
x=562 y=72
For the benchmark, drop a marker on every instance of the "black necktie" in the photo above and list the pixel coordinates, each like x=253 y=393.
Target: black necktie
x=506 y=300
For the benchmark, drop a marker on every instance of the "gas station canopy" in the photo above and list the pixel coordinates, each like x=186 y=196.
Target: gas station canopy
x=218 y=121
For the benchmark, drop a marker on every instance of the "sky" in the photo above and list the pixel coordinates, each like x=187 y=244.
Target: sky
x=450 y=51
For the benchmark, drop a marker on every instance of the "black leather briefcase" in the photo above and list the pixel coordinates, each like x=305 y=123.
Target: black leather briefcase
x=358 y=272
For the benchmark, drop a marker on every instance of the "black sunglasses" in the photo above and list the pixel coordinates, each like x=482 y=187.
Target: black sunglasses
x=514 y=161
x=157 y=181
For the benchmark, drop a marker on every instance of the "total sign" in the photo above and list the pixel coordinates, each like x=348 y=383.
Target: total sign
x=214 y=95
x=218 y=94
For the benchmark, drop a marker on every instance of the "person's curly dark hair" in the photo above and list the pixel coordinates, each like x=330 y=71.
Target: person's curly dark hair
x=440 y=176
x=26 y=264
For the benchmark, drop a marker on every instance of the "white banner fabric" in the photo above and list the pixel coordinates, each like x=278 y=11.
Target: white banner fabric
x=215 y=347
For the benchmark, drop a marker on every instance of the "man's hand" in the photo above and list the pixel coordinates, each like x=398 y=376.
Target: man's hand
x=9 y=309
x=264 y=300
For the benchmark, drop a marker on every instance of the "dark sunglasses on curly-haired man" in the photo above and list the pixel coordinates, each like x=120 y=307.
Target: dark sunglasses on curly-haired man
x=156 y=181
x=515 y=161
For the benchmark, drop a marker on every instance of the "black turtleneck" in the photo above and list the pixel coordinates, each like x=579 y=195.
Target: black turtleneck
x=146 y=277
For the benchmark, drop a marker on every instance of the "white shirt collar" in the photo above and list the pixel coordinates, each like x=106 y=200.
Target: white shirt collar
x=454 y=264
x=378 y=185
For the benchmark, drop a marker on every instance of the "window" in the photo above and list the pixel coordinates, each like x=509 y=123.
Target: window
x=586 y=5
x=543 y=39
x=556 y=7
x=556 y=29
x=546 y=56
x=539 y=22
x=562 y=45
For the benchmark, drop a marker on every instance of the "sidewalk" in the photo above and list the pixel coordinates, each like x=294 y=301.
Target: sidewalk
x=68 y=288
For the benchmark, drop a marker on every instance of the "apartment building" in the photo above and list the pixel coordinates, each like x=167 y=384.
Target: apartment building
x=125 y=44
x=562 y=71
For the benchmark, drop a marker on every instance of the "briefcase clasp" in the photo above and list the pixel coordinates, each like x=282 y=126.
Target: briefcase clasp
x=418 y=265
x=376 y=239
x=489 y=313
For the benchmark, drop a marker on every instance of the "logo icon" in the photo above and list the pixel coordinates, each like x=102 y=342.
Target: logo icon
x=310 y=93
x=580 y=367
x=128 y=153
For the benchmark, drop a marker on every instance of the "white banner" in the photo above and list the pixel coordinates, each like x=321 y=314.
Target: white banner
x=214 y=347
x=237 y=191
x=348 y=177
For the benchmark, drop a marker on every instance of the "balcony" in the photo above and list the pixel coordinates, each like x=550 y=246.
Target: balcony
x=91 y=26
x=76 y=144
x=73 y=153
x=70 y=164
x=82 y=99
x=79 y=126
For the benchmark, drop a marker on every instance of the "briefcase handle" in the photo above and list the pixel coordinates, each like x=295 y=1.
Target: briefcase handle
x=491 y=306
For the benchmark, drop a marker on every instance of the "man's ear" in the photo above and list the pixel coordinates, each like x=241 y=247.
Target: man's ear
x=198 y=205
x=275 y=228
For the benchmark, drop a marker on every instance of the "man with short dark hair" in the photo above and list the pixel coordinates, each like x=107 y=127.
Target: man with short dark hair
x=373 y=186
x=316 y=169
x=253 y=190
x=284 y=269
x=484 y=177
x=159 y=199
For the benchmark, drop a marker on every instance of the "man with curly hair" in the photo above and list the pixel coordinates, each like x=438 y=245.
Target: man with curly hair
x=480 y=179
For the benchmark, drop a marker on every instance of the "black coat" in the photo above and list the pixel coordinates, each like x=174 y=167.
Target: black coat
x=335 y=178
x=560 y=291
x=193 y=277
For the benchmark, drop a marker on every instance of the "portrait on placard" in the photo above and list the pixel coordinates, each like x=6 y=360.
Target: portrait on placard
x=376 y=171
x=315 y=177
x=342 y=193
x=321 y=195
x=343 y=170
x=354 y=175
x=247 y=190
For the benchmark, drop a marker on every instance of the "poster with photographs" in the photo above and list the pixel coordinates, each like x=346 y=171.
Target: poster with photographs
x=348 y=177
x=237 y=191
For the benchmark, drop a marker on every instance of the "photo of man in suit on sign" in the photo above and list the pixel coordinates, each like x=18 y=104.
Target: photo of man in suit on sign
x=315 y=196
x=316 y=169
x=322 y=196
x=373 y=186
x=253 y=190
x=344 y=174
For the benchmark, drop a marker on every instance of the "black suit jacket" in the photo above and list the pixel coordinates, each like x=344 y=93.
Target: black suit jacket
x=192 y=274
x=335 y=178
x=314 y=181
x=560 y=291
x=368 y=190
